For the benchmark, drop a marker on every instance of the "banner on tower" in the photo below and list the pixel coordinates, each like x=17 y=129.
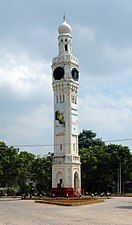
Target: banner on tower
x=74 y=120
x=60 y=119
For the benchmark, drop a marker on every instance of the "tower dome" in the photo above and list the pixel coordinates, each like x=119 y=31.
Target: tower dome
x=64 y=28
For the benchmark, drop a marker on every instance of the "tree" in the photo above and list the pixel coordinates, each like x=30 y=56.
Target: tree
x=8 y=165
x=20 y=171
x=103 y=176
x=88 y=168
x=41 y=174
x=121 y=159
x=96 y=176
x=25 y=164
x=100 y=163
x=88 y=138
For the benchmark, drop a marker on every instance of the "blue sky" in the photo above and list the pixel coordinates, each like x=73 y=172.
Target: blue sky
x=102 y=31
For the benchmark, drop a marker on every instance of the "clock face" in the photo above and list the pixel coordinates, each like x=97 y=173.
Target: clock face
x=75 y=74
x=58 y=73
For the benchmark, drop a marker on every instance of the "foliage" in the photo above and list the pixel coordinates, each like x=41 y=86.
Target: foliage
x=23 y=172
x=41 y=174
x=8 y=165
x=100 y=163
x=87 y=138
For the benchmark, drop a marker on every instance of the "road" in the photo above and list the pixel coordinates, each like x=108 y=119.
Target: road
x=115 y=211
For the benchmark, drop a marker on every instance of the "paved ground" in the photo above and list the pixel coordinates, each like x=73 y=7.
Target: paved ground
x=116 y=211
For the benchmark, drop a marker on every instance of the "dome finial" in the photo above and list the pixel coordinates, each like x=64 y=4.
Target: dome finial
x=64 y=17
x=64 y=28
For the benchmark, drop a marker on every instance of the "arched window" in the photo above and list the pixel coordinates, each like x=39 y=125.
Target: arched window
x=60 y=99
x=75 y=100
x=66 y=48
x=74 y=147
x=59 y=179
x=63 y=98
x=57 y=99
x=76 y=181
x=60 y=146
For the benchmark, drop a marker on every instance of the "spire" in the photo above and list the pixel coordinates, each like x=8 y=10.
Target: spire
x=64 y=28
x=64 y=17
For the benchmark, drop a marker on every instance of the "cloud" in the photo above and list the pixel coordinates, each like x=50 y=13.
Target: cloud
x=85 y=33
x=109 y=117
x=23 y=75
x=118 y=56
x=101 y=41
x=26 y=100
x=127 y=5
x=108 y=60
x=29 y=126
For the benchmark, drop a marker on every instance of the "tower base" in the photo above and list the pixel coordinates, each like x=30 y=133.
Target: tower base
x=65 y=192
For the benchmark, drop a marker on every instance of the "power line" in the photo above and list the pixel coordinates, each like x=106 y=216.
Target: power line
x=51 y=145
x=125 y=139
x=40 y=145
x=32 y=146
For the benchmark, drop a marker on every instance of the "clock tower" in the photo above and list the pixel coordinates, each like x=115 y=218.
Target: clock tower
x=66 y=174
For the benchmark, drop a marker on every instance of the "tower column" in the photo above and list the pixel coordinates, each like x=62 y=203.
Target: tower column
x=66 y=173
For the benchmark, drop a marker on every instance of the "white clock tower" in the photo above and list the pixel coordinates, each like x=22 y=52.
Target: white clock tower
x=66 y=174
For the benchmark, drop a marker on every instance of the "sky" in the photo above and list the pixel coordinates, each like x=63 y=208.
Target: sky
x=102 y=41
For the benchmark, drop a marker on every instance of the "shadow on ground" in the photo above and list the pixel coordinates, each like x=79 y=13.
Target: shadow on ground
x=124 y=207
x=9 y=200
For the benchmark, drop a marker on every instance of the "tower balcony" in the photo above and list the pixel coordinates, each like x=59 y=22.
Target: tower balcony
x=64 y=58
x=58 y=160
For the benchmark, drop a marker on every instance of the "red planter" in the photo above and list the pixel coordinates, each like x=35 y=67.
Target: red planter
x=65 y=192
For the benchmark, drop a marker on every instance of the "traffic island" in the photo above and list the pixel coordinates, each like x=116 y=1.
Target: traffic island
x=70 y=201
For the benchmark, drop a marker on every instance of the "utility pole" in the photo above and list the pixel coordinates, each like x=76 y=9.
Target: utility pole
x=119 y=179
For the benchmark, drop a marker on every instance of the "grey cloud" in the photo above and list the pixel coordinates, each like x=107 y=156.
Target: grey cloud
x=30 y=27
